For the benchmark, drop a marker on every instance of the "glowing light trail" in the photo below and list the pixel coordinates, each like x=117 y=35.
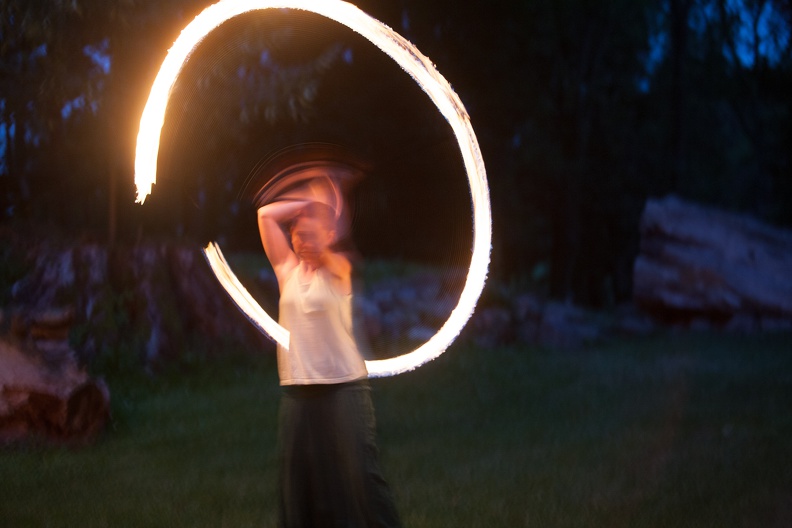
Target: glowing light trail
x=428 y=78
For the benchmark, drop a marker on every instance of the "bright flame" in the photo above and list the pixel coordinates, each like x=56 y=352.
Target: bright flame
x=428 y=78
x=242 y=297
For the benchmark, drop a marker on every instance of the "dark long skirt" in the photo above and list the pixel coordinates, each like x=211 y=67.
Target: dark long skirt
x=330 y=473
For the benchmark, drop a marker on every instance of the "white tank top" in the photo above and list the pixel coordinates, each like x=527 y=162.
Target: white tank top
x=322 y=349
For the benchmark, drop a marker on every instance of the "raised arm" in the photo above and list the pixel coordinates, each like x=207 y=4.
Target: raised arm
x=276 y=245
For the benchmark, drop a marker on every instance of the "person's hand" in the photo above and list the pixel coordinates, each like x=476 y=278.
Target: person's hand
x=320 y=189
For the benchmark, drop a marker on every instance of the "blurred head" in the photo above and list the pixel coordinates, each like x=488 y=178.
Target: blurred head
x=313 y=231
x=293 y=165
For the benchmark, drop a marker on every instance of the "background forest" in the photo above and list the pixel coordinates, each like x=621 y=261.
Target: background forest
x=583 y=109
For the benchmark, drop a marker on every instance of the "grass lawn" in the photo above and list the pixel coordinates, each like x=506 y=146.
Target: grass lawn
x=669 y=431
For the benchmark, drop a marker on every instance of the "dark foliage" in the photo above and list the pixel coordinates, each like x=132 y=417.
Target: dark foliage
x=583 y=109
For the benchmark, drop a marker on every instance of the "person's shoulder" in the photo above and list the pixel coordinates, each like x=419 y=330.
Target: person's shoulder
x=285 y=272
x=338 y=264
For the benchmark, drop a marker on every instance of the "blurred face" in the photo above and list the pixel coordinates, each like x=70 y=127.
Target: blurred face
x=310 y=239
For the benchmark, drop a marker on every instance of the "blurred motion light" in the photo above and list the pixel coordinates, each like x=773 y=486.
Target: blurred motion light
x=428 y=78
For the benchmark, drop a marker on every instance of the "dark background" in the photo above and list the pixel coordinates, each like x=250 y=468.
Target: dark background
x=583 y=109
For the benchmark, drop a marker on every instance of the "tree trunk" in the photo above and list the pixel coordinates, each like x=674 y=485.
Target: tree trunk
x=680 y=11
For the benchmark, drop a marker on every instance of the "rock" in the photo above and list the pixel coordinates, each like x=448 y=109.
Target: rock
x=527 y=307
x=492 y=326
x=436 y=311
x=527 y=331
x=742 y=323
x=420 y=333
x=566 y=326
x=367 y=323
x=775 y=324
x=634 y=324
x=393 y=312
x=697 y=262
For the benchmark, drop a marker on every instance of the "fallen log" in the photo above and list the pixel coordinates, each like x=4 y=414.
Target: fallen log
x=52 y=402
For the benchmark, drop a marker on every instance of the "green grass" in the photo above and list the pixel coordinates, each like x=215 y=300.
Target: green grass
x=681 y=430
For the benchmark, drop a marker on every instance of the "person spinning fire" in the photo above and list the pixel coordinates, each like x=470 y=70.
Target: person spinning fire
x=330 y=474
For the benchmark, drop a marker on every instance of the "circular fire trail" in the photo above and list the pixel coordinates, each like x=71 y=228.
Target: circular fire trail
x=425 y=75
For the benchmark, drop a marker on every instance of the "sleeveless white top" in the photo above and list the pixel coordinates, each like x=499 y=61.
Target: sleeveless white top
x=322 y=349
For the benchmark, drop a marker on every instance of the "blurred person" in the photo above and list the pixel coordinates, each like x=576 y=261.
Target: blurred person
x=329 y=468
